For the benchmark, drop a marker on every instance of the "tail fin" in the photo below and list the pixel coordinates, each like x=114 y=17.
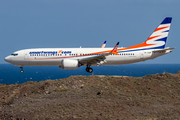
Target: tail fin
x=104 y=44
x=157 y=40
x=159 y=36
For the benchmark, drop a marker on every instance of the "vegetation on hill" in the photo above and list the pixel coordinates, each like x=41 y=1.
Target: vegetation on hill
x=93 y=97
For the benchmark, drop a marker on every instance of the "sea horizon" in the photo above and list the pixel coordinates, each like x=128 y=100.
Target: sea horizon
x=10 y=74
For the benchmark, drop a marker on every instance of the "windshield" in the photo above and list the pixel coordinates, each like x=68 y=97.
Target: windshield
x=14 y=54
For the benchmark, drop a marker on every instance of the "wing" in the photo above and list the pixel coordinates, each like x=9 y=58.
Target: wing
x=104 y=44
x=98 y=59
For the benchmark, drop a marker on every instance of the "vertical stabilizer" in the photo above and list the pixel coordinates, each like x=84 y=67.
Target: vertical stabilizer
x=159 y=36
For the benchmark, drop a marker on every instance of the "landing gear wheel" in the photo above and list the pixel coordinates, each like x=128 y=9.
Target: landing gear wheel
x=21 y=70
x=88 y=69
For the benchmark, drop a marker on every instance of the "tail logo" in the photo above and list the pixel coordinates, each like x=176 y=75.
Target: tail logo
x=159 y=36
x=157 y=40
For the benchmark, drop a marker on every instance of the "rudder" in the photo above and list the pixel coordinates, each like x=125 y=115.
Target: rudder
x=159 y=36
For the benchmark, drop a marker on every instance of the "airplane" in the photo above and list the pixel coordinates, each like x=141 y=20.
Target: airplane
x=73 y=58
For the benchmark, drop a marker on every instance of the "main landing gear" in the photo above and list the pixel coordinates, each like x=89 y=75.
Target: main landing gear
x=21 y=70
x=89 y=69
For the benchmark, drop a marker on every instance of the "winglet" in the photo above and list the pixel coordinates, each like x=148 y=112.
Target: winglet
x=114 y=51
x=104 y=44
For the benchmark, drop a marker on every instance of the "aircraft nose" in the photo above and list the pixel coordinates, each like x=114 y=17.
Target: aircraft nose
x=7 y=59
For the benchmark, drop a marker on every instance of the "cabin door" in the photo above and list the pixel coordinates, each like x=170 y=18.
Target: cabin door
x=142 y=54
x=26 y=55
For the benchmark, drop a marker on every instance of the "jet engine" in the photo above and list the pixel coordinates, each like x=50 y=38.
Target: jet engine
x=69 y=64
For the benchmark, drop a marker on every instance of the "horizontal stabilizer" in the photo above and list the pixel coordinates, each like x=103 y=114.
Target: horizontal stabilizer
x=161 y=50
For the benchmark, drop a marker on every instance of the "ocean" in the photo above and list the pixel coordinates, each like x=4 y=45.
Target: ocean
x=10 y=74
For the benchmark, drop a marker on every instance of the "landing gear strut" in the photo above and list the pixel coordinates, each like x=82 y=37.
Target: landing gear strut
x=89 y=69
x=21 y=70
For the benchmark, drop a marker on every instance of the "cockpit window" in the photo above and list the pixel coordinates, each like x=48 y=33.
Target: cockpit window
x=14 y=54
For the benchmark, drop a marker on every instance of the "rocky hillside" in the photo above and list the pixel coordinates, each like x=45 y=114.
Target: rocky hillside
x=93 y=97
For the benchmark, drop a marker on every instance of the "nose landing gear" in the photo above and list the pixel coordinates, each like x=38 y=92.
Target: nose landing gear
x=21 y=70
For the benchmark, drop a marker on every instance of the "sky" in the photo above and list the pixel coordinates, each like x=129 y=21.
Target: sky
x=87 y=23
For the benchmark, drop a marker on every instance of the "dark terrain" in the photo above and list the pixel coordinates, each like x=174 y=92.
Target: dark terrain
x=93 y=97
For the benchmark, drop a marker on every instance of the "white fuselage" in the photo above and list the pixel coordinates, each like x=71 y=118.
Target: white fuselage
x=54 y=56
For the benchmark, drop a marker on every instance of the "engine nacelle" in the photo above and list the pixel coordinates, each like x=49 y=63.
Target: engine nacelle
x=69 y=64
